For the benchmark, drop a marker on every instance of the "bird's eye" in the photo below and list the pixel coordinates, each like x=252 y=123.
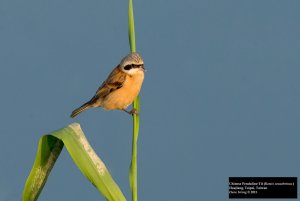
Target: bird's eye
x=128 y=67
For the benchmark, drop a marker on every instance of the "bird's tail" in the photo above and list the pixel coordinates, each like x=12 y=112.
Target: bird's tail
x=81 y=109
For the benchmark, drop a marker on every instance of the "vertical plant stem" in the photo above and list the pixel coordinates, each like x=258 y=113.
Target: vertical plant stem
x=131 y=31
x=133 y=165
x=136 y=118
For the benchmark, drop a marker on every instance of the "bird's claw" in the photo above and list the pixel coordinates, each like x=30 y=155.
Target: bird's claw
x=132 y=112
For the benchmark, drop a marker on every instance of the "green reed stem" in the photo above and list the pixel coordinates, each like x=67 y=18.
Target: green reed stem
x=136 y=118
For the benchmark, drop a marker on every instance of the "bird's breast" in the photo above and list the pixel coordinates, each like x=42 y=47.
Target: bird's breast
x=121 y=98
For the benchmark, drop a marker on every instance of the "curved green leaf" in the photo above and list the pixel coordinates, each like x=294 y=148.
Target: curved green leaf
x=84 y=157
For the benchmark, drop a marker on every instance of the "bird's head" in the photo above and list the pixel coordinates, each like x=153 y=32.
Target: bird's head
x=132 y=63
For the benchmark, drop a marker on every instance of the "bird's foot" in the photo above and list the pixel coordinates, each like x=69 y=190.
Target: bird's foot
x=131 y=112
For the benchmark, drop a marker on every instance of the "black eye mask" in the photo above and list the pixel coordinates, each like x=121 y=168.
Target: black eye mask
x=130 y=66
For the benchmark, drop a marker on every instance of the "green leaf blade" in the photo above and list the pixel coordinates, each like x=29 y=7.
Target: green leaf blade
x=49 y=149
x=82 y=154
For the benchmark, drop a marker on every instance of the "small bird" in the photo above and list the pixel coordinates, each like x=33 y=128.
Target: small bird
x=121 y=87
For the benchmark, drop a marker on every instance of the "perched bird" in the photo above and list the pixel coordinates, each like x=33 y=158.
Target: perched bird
x=121 y=87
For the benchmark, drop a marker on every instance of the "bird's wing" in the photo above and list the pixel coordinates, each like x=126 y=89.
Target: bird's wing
x=114 y=81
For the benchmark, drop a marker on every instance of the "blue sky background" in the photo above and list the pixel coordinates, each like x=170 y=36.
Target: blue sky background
x=221 y=96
